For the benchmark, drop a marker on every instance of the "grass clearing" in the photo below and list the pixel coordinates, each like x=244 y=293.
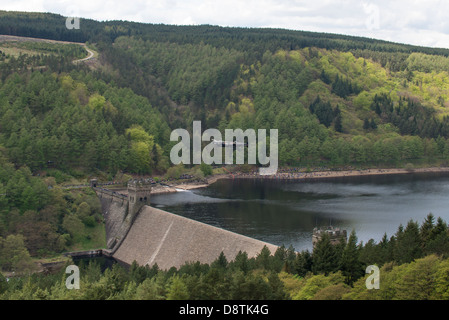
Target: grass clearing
x=15 y=51
x=92 y=238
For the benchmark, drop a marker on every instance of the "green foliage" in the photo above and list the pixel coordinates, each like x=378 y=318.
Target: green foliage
x=14 y=256
x=427 y=63
x=408 y=243
x=336 y=101
x=219 y=280
x=323 y=111
x=344 y=87
x=233 y=82
x=175 y=172
x=325 y=257
x=152 y=289
x=351 y=266
x=74 y=226
x=206 y=169
x=48 y=218
x=177 y=289
x=313 y=284
x=424 y=277
x=96 y=102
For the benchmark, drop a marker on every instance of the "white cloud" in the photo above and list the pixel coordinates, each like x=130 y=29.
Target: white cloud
x=416 y=22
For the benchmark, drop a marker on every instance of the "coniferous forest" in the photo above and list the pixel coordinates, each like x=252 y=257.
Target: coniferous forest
x=338 y=101
x=413 y=264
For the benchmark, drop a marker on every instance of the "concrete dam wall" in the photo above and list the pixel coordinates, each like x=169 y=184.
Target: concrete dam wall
x=169 y=240
x=115 y=210
x=137 y=232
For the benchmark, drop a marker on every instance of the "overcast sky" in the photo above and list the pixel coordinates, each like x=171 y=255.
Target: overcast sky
x=415 y=22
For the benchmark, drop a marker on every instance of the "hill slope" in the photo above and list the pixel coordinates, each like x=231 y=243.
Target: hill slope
x=336 y=101
x=374 y=102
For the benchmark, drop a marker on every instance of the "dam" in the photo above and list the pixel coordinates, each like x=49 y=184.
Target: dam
x=135 y=231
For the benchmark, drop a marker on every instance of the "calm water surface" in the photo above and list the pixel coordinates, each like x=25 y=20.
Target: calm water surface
x=285 y=212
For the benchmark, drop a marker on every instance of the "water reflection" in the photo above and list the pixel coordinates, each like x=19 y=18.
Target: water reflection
x=285 y=212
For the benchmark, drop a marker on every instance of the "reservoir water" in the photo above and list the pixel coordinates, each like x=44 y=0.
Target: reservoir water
x=285 y=212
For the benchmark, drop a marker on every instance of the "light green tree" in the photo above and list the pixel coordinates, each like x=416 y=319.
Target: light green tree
x=177 y=289
x=14 y=256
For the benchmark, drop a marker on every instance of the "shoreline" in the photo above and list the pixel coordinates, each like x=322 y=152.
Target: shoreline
x=346 y=173
x=314 y=175
x=188 y=185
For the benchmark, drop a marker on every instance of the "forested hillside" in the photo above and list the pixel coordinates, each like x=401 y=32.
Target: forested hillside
x=373 y=108
x=413 y=264
x=336 y=100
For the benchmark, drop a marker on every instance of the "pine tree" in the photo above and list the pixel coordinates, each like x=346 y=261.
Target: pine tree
x=426 y=229
x=438 y=241
x=303 y=263
x=324 y=257
x=386 y=249
x=241 y=262
x=279 y=258
x=366 y=124
x=325 y=77
x=221 y=262
x=264 y=259
x=350 y=262
x=408 y=245
x=338 y=126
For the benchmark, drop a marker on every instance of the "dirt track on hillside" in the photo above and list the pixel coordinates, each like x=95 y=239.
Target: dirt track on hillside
x=90 y=56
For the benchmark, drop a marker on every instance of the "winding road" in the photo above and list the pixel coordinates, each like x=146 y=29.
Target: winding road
x=90 y=56
x=91 y=53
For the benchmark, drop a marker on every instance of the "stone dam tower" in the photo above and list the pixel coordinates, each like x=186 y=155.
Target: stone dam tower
x=120 y=209
x=139 y=192
x=336 y=235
